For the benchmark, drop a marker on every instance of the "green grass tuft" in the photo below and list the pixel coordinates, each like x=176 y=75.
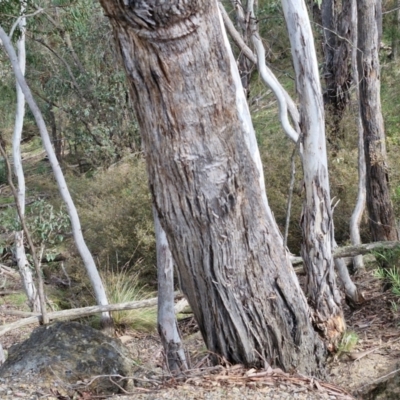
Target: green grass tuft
x=123 y=287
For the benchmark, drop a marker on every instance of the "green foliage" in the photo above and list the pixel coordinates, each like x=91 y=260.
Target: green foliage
x=123 y=287
x=387 y=258
x=18 y=300
x=47 y=225
x=348 y=342
x=3 y=172
x=388 y=268
x=10 y=10
x=9 y=220
x=82 y=94
x=390 y=275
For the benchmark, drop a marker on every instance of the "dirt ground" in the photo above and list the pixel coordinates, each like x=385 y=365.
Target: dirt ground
x=350 y=374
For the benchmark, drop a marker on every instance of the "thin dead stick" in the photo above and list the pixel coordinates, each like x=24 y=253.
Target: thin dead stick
x=36 y=263
x=379 y=379
x=355 y=356
x=80 y=312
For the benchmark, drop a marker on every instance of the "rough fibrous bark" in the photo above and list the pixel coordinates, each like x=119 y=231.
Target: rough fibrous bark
x=337 y=50
x=381 y=216
x=228 y=251
x=316 y=220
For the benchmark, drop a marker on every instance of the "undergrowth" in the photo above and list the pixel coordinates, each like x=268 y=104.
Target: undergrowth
x=116 y=216
x=122 y=287
x=389 y=268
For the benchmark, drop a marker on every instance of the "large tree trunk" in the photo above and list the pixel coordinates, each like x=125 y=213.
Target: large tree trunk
x=205 y=185
x=337 y=50
x=381 y=216
x=316 y=221
x=337 y=68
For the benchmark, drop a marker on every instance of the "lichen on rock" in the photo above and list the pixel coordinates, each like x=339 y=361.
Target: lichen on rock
x=65 y=353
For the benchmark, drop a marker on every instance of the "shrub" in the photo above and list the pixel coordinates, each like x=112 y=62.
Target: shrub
x=116 y=217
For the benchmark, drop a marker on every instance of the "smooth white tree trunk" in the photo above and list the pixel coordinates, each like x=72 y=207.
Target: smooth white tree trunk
x=22 y=261
x=245 y=119
x=87 y=258
x=286 y=104
x=357 y=214
x=316 y=221
x=167 y=324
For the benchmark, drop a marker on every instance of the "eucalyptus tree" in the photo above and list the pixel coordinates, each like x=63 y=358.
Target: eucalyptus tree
x=22 y=261
x=166 y=320
x=316 y=219
x=206 y=187
x=359 y=208
x=337 y=32
x=82 y=93
x=381 y=215
x=84 y=251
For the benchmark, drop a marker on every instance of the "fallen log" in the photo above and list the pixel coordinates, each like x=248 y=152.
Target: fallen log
x=348 y=252
x=79 y=312
x=19 y=313
x=340 y=252
x=8 y=292
x=9 y=271
x=361 y=249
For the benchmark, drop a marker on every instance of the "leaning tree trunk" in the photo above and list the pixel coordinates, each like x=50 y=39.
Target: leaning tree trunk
x=316 y=221
x=84 y=251
x=166 y=319
x=227 y=248
x=381 y=216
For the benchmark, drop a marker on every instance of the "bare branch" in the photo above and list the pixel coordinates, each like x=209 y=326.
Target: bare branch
x=80 y=312
x=355 y=250
x=285 y=102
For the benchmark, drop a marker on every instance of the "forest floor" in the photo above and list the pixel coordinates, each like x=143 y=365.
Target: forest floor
x=350 y=374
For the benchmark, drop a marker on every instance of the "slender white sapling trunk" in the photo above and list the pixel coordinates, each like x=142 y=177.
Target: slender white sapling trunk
x=167 y=324
x=22 y=261
x=87 y=258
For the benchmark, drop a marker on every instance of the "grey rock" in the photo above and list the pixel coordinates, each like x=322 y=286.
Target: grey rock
x=66 y=353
